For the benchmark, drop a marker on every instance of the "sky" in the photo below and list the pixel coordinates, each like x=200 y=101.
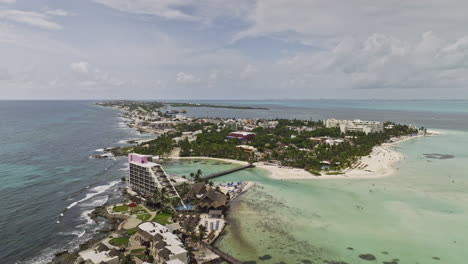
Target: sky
x=233 y=49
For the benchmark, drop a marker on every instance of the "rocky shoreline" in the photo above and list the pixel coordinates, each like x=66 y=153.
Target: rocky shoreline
x=99 y=214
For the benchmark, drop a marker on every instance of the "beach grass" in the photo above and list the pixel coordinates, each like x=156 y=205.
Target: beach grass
x=119 y=241
x=162 y=218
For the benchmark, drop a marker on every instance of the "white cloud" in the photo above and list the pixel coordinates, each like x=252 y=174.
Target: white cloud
x=189 y=10
x=57 y=12
x=90 y=76
x=29 y=18
x=319 y=23
x=186 y=78
x=80 y=67
x=7 y=1
x=248 y=71
x=4 y=74
x=164 y=8
x=382 y=61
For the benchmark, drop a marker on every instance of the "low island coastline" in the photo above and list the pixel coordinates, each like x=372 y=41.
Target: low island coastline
x=380 y=163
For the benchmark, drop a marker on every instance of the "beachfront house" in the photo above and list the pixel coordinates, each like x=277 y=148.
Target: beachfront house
x=213 y=199
x=165 y=245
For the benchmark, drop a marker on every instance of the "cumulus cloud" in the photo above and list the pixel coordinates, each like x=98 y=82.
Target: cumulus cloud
x=318 y=23
x=382 y=61
x=186 y=78
x=90 y=76
x=80 y=67
x=248 y=71
x=30 y=18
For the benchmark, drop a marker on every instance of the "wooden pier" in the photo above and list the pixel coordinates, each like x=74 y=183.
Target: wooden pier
x=218 y=174
x=222 y=254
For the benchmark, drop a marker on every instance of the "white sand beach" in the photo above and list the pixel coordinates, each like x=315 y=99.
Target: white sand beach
x=380 y=163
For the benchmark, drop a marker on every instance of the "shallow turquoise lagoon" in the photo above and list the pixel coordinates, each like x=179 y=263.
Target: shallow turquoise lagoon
x=418 y=215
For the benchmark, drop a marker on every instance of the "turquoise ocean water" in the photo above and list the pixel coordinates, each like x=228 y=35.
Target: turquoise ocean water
x=418 y=215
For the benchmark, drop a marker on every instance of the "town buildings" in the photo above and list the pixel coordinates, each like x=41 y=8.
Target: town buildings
x=355 y=125
x=165 y=245
x=242 y=135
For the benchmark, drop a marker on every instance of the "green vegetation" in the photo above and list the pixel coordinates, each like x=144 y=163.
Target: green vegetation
x=214 y=144
x=316 y=173
x=146 y=258
x=334 y=173
x=137 y=250
x=144 y=217
x=120 y=208
x=134 y=105
x=215 y=106
x=131 y=231
x=163 y=145
x=119 y=241
x=162 y=218
x=288 y=143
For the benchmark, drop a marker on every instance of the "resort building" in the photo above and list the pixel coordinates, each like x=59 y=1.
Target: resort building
x=144 y=176
x=242 y=135
x=100 y=254
x=355 y=125
x=247 y=148
x=268 y=124
x=213 y=199
x=165 y=245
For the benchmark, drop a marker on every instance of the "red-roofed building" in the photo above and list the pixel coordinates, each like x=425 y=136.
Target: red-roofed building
x=242 y=135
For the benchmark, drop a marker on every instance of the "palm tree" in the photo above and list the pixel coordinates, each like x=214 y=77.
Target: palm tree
x=156 y=197
x=127 y=260
x=210 y=183
x=202 y=232
x=198 y=175
x=192 y=175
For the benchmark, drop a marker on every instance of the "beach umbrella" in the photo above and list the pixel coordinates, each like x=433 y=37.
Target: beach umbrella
x=132 y=206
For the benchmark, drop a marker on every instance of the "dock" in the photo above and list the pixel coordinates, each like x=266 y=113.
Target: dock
x=222 y=254
x=222 y=173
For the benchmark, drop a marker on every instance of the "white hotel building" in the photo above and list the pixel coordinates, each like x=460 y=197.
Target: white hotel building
x=355 y=125
x=144 y=176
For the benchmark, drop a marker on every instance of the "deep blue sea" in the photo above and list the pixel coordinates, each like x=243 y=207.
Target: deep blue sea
x=45 y=169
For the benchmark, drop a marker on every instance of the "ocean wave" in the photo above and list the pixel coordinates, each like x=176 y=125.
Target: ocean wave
x=94 y=191
x=97 y=202
x=85 y=216
x=99 y=150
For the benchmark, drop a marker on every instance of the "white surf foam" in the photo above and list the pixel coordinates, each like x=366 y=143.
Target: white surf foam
x=94 y=191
